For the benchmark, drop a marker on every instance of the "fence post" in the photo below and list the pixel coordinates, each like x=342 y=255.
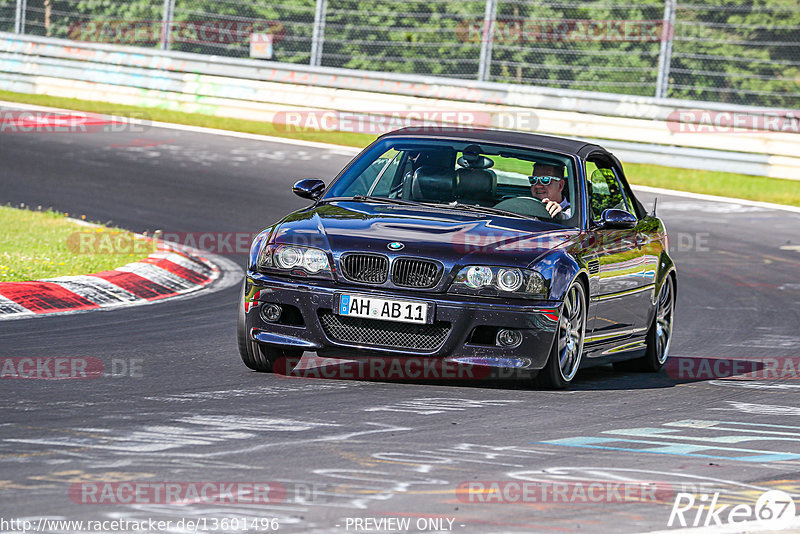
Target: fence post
x=489 y=16
x=166 y=24
x=318 y=35
x=665 y=56
x=19 y=21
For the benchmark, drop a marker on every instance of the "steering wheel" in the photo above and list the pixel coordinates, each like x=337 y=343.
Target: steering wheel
x=529 y=206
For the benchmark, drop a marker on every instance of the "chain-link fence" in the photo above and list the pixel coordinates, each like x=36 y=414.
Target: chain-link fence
x=7 y=16
x=736 y=51
x=744 y=52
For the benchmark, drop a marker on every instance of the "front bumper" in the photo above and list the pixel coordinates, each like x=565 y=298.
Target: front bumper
x=535 y=320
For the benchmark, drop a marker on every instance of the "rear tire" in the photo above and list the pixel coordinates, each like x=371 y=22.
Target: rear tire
x=565 y=356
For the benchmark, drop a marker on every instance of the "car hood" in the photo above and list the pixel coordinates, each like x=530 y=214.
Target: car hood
x=447 y=235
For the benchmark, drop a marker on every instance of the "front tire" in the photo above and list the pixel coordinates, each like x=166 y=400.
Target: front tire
x=565 y=356
x=247 y=348
x=255 y=356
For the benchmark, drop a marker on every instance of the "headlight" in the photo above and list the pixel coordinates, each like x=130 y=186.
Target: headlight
x=301 y=261
x=500 y=281
x=288 y=257
x=314 y=260
x=509 y=279
x=478 y=277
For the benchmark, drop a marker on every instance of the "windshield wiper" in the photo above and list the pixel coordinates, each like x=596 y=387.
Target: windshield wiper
x=487 y=209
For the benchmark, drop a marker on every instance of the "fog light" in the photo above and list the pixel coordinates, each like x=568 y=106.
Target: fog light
x=508 y=338
x=271 y=312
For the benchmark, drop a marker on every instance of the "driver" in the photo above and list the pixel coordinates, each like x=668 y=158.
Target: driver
x=547 y=184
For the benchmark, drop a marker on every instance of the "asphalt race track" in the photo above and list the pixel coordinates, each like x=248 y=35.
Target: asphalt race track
x=176 y=405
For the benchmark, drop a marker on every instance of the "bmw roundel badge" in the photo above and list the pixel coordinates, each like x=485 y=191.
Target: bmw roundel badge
x=395 y=245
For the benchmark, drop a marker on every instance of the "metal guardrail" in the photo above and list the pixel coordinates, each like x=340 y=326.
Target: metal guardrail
x=638 y=128
x=611 y=104
x=734 y=51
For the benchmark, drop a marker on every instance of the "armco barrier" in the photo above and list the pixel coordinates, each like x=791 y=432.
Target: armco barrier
x=637 y=129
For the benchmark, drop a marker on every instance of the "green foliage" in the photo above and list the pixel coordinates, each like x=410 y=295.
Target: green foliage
x=709 y=182
x=7 y=15
x=577 y=46
x=742 y=52
x=736 y=51
x=35 y=245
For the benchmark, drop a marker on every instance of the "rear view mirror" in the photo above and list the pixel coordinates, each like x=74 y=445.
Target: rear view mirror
x=617 y=219
x=310 y=188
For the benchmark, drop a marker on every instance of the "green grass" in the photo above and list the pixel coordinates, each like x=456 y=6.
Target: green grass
x=192 y=119
x=716 y=183
x=707 y=182
x=45 y=244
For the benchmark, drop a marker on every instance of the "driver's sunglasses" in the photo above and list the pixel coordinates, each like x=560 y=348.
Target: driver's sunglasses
x=544 y=180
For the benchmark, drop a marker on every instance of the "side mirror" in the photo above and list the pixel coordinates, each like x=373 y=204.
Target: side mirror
x=310 y=188
x=617 y=219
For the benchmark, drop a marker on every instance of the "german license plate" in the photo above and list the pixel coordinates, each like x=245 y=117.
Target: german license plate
x=403 y=311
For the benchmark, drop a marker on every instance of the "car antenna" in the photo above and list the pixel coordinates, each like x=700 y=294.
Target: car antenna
x=655 y=203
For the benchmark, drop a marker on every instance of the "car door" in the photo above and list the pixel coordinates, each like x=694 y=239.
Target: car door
x=617 y=285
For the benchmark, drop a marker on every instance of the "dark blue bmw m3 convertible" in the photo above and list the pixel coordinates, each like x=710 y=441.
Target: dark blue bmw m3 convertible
x=475 y=247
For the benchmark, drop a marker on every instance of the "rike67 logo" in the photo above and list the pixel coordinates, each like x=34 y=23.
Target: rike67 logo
x=774 y=509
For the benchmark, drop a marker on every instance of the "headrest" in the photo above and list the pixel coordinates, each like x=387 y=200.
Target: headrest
x=600 y=180
x=476 y=183
x=434 y=158
x=433 y=183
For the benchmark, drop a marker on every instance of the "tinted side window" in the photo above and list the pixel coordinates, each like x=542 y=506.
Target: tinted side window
x=605 y=191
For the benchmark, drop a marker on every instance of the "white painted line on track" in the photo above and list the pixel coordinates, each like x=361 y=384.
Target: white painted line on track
x=714 y=198
x=346 y=150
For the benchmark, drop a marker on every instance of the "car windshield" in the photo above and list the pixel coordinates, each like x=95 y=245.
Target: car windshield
x=464 y=175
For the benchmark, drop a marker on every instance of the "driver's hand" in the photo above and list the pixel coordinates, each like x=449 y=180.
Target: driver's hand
x=552 y=207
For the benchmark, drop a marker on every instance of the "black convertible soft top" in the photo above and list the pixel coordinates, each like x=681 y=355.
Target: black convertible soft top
x=520 y=139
